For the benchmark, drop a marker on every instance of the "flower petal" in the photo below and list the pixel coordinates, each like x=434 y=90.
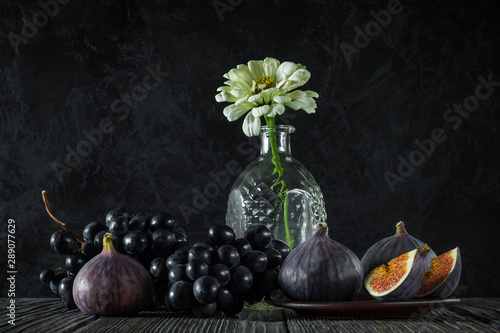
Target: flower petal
x=240 y=85
x=311 y=93
x=295 y=105
x=296 y=94
x=245 y=72
x=276 y=109
x=256 y=99
x=285 y=70
x=233 y=111
x=271 y=66
x=261 y=110
x=238 y=76
x=297 y=79
x=225 y=96
x=281 y=99
x=307 y=104
x=241 y=100
x=257 y=68
x=301 y=76
x=268 y=94
x=251 y=125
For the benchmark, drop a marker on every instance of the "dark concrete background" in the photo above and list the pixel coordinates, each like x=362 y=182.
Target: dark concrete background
x=81 y=73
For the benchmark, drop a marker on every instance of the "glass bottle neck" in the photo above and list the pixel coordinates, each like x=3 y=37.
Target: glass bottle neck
x=282 y=134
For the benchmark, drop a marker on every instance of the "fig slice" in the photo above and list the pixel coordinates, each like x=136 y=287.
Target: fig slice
x=443 y=277
x=400 y=278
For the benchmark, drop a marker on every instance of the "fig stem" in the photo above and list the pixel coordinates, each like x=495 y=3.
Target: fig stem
x=107 y=242
x=322 y=225
x=61 y=224
x=400 y=228
x=321 y=229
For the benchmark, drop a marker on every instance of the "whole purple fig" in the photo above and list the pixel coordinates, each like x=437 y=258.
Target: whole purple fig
x=321 y=270
x=112 y=284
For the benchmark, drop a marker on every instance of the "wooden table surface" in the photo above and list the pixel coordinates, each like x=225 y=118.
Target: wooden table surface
x=48 y=315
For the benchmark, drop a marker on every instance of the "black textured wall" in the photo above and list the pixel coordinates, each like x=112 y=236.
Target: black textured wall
x=111 y=103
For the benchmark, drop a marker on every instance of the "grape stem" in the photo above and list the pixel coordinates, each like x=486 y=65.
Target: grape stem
x=61 y=224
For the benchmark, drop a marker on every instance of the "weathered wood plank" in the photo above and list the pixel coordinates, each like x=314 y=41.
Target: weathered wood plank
x=48 y=315
x=161 y=321
x=42 y=315
x=473 y=316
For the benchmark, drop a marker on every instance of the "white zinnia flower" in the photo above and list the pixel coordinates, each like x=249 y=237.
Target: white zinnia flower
x=264 y=88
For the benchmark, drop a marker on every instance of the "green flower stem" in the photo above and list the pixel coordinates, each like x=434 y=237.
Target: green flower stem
x=289 y=239
x=274 y=147
x=279 y=170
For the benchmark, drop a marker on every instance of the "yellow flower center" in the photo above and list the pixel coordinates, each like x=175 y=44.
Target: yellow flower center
x=262 y=83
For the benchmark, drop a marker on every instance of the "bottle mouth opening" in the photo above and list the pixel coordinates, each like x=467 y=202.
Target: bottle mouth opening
x=278 y=128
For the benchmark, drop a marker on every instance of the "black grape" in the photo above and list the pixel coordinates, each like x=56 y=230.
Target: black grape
x=220 y=234
x=200 y=252
x=98 y=240
x=206 y=289
x=177 y=273
x=176 y=258
x=92 y=229
x=273 y=257
x=228 y=255
x=75 y=261
x=196 y=268
x=241 y=279
x=256 y=261
x=135 y=242
x=63 y=242
x=225 y=297
x=222 y=273
x=210 y=247
x=139 y=222
x=281 y=246
x=118 y=227
x=235 y=307
x=158 y=269
x=243 y=246
x=163 y=242
x=89 y=249
x=204 y=310
x=259 y=236
x=47 y=275
x=180 y=295
x=65 y=290
x=162 y=221
x=116 y=213
x=267 y=281
x=54 y=284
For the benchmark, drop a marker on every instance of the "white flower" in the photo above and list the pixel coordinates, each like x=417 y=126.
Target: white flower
x=264 y=88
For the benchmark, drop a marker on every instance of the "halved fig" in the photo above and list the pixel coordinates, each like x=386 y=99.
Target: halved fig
x=400 y=278
x=443 y=277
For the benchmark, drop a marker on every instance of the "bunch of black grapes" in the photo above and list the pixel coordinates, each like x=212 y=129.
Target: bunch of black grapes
x=220 y=273
x=217 y=274
x=138 y=236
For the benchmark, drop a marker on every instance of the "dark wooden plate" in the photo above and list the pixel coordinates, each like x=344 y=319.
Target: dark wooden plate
x=363 y=307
